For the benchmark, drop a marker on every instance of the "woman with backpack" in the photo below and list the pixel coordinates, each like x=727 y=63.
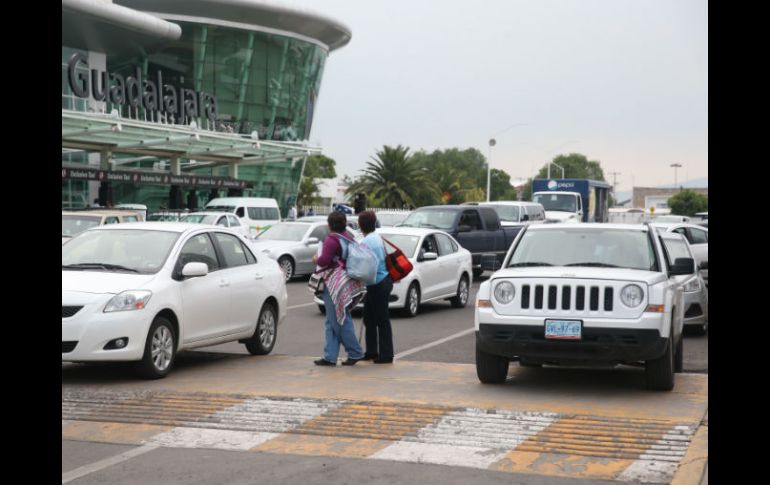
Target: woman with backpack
x=379 y=333
x=340 y=294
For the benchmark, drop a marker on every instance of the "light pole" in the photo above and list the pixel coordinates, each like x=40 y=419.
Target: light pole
x=492 y=143
x=675 y=165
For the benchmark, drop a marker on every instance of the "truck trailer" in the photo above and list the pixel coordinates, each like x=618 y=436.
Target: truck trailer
x=573 y=200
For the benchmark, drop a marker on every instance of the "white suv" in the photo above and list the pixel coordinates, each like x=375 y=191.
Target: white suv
x=578 y=294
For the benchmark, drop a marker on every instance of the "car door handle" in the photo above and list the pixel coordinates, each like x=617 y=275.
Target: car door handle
x=258 y=276
x=223 y=284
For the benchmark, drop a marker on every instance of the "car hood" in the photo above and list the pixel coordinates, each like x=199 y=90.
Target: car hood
x=260 y=245
x=102 y=282
x=578 y=272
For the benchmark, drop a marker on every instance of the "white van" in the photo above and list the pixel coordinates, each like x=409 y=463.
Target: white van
x=255 y=212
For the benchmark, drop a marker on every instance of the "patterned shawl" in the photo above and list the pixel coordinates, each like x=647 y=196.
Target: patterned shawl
x=345 y=292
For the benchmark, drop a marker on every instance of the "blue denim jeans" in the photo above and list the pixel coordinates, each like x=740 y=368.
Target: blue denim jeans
x=336 y=334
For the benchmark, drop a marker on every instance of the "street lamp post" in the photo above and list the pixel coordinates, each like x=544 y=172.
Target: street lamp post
x=675 y=166
x=492 y=142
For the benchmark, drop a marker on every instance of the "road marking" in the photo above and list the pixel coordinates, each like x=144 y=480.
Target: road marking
x=107 y=462
x=299 y=306
x=433 y=344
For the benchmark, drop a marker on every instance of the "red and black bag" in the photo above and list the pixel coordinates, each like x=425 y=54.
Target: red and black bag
x=397 y=263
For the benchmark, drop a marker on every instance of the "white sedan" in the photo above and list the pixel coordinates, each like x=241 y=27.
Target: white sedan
x=442 y=269
x=217 y=219
x=144 y=291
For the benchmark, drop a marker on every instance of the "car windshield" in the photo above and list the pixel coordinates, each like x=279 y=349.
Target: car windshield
x=620 y=248
x=138 y=251
x=75 y=224
x=405 y=242
x=557 y=202
x=284 y=232
x=435 y=219
x=391 y=219
x=507 y=213
x=199 y=218
x=220 y=208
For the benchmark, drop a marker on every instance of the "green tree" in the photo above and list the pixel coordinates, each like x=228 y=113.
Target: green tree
x=687 y=203
x=392 y=179
x=316 y=167
x=500 y=186
x=576 y=166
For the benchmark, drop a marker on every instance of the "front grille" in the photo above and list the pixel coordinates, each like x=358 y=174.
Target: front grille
x=552 y=297
x=68 y=346
x=68 y=311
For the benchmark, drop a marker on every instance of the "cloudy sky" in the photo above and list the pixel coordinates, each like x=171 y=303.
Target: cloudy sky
x=624 y=82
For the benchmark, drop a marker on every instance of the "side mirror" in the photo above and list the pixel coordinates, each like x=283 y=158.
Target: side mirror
x=703 y=265
x=683 y=266
x=429 y=256
x=464 y=228
x=525 y=218
x=193 y=270
x=311 y=240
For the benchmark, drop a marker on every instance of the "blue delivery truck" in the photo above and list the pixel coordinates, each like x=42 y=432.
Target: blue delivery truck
x=572 y=200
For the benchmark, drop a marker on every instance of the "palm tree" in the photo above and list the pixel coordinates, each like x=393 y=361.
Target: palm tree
x=393 y=178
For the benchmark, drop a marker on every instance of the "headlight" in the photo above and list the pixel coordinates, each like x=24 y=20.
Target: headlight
x=632 y=296
x=128 y=300
x=504 y=292
x=692 y=286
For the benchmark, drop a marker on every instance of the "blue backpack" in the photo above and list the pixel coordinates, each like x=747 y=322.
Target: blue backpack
x=360 y=261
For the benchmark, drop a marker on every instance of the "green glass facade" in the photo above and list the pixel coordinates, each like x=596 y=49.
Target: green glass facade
x=262 y=82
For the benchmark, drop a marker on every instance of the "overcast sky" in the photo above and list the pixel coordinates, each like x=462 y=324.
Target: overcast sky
x=624 y=82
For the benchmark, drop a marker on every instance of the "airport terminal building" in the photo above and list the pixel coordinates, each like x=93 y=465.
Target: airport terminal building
x=171 y=103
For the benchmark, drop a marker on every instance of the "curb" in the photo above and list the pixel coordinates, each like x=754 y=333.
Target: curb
x=693 y=466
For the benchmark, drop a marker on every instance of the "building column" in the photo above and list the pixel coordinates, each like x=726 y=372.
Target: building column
x=105 y=187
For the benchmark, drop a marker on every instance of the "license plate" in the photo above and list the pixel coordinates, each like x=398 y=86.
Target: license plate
x=563 y=329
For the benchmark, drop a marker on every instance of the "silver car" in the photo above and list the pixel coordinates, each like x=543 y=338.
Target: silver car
x=696 y=295
x=292 y=244
x=698 y=238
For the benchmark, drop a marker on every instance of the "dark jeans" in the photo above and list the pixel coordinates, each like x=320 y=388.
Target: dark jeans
x=377 y=320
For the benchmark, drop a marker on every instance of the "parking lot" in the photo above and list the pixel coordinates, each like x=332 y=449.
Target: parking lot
x=378 y=412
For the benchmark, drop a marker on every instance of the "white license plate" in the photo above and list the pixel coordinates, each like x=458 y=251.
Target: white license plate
x=563 y=329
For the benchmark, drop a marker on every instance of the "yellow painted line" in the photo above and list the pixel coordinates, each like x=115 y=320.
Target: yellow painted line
x=118 y=433
x=693 y=465
x=575 y=466
x=323 y=446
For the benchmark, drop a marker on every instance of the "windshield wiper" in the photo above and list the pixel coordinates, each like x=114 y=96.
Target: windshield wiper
x=528 y=263
x=111 y=267
x=594 y=264
x=429 y=225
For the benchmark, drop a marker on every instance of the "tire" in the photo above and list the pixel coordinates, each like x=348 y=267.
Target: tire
x=463 y=290
x=679 y=355
x=700 y=330
x=159 y=350
x=412 y=303
x=491 y=369
x=263 y=340
x=659 y=373
x=287 y=266
x=477 y=272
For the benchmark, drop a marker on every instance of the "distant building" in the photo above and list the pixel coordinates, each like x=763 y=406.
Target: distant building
x=646 y=197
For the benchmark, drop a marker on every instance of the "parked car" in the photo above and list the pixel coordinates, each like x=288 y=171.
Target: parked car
x=216 y=219
x=476 y=228
x=142 y=292
x=140 y=209
x=75 y=222
x=442 y=269
x=670 y=218
x=167 y=216
x=698 y=238
x=352 y=221
x=696 y=296
x=517 y=213
x=293 y=245
x=585 y=294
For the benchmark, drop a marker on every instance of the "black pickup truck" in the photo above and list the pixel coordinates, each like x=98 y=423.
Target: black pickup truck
x=476 y=228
